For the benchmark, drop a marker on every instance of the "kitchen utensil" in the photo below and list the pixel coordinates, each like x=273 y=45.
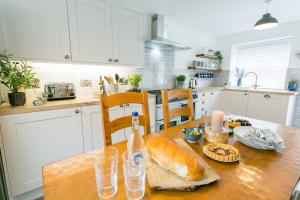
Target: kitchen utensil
x=192 y=83
x=161 y=179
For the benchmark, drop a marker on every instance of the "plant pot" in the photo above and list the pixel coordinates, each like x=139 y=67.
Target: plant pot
x=17 y=98
x=180 y=84
x=135 y=87
x=292 y=86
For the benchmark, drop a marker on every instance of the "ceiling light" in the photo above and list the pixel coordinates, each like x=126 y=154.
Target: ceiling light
x=267 y=21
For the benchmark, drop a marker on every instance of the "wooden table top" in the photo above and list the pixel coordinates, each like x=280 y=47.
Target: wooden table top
x=258 y=175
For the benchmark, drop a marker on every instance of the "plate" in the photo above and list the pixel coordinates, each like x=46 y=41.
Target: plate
x=221 y=152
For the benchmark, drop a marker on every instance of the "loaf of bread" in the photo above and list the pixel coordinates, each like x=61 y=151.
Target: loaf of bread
x=171 y=156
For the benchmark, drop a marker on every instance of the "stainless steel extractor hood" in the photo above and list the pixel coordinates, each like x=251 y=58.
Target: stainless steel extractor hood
x=158 y=37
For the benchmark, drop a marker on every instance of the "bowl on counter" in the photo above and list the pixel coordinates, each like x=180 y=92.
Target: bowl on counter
x=192 y=134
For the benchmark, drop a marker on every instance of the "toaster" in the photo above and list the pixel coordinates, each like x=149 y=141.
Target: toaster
x=60 y=91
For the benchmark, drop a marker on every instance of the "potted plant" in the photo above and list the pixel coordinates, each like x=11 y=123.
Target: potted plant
x=134 y=80
x=293 y=85
x=17 y=76
x=218 y=54
x=180 y=81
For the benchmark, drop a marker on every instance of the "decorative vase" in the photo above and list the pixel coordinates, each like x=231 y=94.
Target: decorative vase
x=239 y=82
x=179 y=84
x=292 y=86
x=17 y=98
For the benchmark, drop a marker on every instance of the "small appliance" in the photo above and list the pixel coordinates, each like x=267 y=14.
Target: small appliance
x=60 y=91
x=192 y=83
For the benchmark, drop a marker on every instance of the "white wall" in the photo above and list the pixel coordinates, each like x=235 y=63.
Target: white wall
x=191 y=37
x=224 y=43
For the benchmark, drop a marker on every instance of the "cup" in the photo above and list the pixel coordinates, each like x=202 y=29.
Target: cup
x=134 y=178
x=106 y=171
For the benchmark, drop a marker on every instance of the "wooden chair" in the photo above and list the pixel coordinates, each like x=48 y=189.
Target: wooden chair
x=168 y=95
x=108 y=101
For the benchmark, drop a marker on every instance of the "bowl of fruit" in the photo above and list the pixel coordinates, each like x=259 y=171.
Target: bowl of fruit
x=192 y=134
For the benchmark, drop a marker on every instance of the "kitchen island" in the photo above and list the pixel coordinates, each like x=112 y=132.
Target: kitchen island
x=258 y=175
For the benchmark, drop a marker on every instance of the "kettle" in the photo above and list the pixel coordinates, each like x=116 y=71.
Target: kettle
x=192 y=83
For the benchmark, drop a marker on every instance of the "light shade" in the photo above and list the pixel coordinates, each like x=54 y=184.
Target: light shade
x=266 y=22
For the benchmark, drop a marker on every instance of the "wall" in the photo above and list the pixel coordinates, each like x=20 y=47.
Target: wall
x=224 y=43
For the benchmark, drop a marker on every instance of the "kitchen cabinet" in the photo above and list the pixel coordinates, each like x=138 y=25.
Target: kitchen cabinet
x=35 y=30
x=90 y=30
x=92 y=128
x=31 y=140
x=104 y=33
x=128 y=36
x=208 y=102
x=266 y=106
x=234 y=102
x=270 y=107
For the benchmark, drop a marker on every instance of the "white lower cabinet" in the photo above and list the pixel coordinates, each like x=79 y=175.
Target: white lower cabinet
x=234 y=102
x=92 y=128
x=208 y=102
x=31 y=140
x=271 y=107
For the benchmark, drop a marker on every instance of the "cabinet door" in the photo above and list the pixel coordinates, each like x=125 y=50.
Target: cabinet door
x=268 y=107
x=128 y=36
x=92 y=128
x=35 y=29
x=32 y=140
x=114 y=113
x=90 y=30
x=235 y=102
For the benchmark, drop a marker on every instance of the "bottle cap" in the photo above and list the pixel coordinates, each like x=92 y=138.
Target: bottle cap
x=135 y=114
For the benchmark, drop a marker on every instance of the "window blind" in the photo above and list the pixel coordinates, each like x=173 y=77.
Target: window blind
x=268 y=59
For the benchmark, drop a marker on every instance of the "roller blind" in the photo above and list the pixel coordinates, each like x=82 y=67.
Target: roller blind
x=268 y=59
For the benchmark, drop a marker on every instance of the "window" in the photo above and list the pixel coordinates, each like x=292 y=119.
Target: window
x=269 y=59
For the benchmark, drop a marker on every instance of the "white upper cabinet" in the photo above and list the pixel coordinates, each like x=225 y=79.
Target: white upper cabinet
x=128 y=36
x=35 y=29
x=90 y=31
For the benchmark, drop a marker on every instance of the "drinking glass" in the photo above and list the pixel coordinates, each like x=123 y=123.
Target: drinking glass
x=106 y=171
x=134 y=178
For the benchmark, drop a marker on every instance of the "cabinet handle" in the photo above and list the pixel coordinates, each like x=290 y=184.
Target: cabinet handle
x=212 y=93
x=76 y=111
x=116 y=60
x=121 y=105
x=127 y=104
x=246 y=94
x=110 y=60
x=267 y=96
x=67 y=56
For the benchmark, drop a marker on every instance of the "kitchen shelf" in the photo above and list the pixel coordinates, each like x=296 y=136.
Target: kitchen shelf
x=206 y=68
x=208 y=56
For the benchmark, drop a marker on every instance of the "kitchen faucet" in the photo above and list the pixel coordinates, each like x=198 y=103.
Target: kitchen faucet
x=255 y=84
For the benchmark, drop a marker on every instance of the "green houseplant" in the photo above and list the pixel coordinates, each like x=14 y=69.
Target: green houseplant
x=134 y=80
x=17 y=76
x=180 y=81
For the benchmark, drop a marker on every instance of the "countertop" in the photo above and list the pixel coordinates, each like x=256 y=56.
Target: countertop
x=259 y=175
x=6 y=109
x=246 y=89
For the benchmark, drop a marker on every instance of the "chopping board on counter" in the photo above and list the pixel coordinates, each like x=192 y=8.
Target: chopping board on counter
x=162 y=179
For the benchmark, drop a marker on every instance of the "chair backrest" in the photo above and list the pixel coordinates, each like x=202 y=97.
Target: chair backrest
x=168 y=95
x=109 y=101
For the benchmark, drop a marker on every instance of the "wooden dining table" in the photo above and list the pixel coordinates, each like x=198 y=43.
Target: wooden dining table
x=259 y=174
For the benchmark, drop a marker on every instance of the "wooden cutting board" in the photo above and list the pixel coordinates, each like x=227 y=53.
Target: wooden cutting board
x=162 y=179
